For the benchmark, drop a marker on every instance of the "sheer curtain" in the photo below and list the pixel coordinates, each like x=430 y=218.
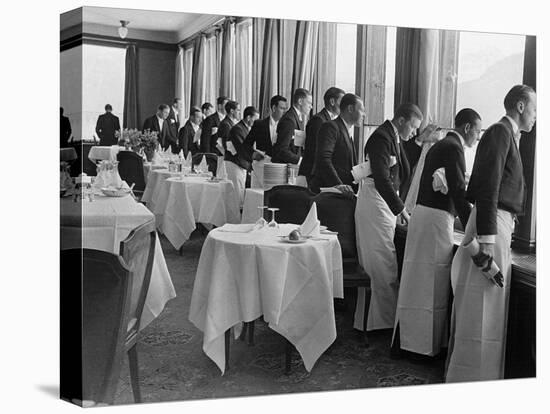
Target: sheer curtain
x=307 y=34
x=258 y=31
x=211 y=65
x=325 y=66
x=227 y=60
x=180 y=74
x=269 y=85
x=197 y=78
x=243 y=63
x=187 y=75
x=287 y=42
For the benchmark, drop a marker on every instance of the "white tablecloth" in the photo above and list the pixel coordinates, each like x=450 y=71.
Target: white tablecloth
x=253 y=198
x=154 y=180
x=99 y=153
x=102 y=224
x=182 y=202
x=242 y=276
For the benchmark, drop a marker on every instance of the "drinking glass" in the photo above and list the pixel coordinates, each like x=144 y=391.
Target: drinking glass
x=273 y=223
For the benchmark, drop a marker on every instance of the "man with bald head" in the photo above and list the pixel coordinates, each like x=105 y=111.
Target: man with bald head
x=479 y=319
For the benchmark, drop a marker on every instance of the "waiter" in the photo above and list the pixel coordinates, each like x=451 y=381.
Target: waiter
x=480 y=310
x=378 y=207
x=421 y=317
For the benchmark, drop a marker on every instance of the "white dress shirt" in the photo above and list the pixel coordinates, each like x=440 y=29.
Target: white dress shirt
x=273 y=129
x=161 y=122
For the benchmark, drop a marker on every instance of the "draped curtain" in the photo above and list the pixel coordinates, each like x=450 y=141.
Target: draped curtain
x=425 y=72
x=211 y=65
x=305 y=48
x=269 y=85
x=130 y=112
x=325 y=66
x=197 y=78
x=187 y=74
x=180 y=75
x=243 y=63
x=227 y=60
x=258 y=31
x=287 y=41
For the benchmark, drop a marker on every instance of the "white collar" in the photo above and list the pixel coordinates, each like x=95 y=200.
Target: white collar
x=160 y=119
x=348 y=126
x=395 y=130
x=515 y=126
x=220 y=115
x=298 y=112
x=195 y=126
x=272 y=122
x=331 y=114
x=461 y=138
x=175 y=111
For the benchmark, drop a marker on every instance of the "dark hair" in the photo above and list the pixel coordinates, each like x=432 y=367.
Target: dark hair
x=176 y=100
x=206 y=105
x=347 y=100
x=249 y=111
x=61 y=109
x=229 y=105
x=194 y=110
x=332 y=93
x=162 y=107
x=300 y=93
x=466 y=116
x=275 y=100
x=221 y=100
x=516 y=94
x=108 y=107
x=408 y=111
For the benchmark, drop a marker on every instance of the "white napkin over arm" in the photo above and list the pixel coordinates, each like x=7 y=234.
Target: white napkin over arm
x=439 y=182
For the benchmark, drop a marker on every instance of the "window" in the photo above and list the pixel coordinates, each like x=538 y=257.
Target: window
x=489 y=65
x=346 y=51
x=391 y=33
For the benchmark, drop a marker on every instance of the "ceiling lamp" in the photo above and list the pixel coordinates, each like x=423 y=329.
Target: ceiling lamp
x=123 y=30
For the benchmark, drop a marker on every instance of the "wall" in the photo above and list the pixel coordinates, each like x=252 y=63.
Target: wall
x=156 y=79
x=70 y=98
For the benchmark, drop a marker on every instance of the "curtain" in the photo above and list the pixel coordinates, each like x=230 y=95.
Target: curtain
x=243 y=63
x=187 y=74
x=211 y=65
x=269 y=74
x=130 y=112
x=180 y=75
x=325 y=66
x=305 y=48
x=287 y=40
x=258 y=31
x=425 y=72
x=197 y=78
x=227 y=60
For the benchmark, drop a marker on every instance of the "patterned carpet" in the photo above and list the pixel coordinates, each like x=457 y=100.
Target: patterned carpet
x=174 y=367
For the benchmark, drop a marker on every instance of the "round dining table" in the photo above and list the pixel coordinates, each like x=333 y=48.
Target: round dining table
x=245 y=272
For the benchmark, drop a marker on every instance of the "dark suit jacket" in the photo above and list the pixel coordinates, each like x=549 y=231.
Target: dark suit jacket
x=152 y=124
x=185 y=139
x=335 y=156
x=449 y=154
x=312 y=130
x=284 y=150
x=172 y=131
x=381 y=145
x=105 y=128
x=412 y=151
x=223 y=131
x=497 y=177
x=237 y=135
x=208 y=141
x=259 y=134
x=65 y=131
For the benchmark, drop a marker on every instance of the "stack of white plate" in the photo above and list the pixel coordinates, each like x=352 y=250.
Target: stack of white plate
x=274 y=174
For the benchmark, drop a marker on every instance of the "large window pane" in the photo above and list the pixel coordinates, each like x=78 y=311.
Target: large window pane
x=346 y=51
x=390 y=71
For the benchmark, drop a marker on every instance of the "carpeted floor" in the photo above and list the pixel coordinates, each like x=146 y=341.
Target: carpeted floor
x=174 y=367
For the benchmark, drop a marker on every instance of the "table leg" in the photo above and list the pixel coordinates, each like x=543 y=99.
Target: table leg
x=242 y=336
x=251 y=333
x=288 y=356
x=227 y=339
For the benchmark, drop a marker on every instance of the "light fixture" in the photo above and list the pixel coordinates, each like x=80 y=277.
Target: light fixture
x=123 y=30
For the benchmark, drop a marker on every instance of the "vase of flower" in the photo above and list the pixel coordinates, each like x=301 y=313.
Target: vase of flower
x=149 y=153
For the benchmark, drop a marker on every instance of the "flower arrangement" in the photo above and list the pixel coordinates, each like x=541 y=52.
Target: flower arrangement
x=138 y=141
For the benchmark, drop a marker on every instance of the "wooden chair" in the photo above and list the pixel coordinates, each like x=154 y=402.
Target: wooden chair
x=211 y=160
x=130 y=168
x=293 y=202
x=101 y=297
x=337 y=212
x=138 y=251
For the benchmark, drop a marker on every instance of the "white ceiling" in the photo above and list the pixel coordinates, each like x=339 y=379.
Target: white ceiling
x=179 y=25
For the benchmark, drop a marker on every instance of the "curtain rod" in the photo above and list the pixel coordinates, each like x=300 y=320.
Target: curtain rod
x=213 y=28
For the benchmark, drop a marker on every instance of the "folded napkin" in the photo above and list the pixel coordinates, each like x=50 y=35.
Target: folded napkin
x=203 y=166
x=181 y=154
x=439 y=182
x=237 y=228
x=231 y=148
x=157 y=160
x=188 y=160
x=221 y=170
x=311 y=225
x=361 y=171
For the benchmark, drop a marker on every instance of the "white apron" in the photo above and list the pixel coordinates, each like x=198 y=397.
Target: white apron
x=479 y=319
x=237 y=176
x=375 y=229
x=425 y=284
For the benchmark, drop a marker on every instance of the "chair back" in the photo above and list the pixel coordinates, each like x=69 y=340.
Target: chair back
x=68 y=154
x=130 y=168
x=211 y=160
x=337 y=212
x=293 y=202
x=138 y=252
x=105 y=290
